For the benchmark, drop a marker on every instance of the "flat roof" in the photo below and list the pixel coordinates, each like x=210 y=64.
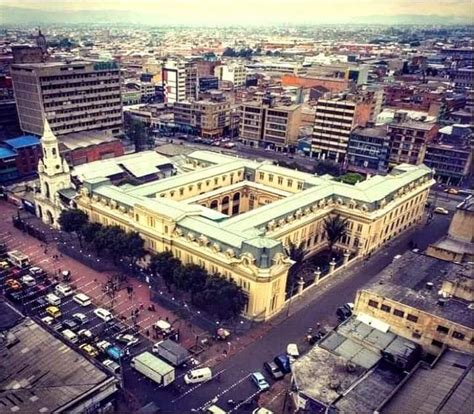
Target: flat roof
x=23 y=141
x=7 y=153
x=405 y=281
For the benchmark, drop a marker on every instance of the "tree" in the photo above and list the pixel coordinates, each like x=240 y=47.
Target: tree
x=134 y=247
x=327 y=167
x=72 y=221
x=351 y=178
x=228 y=51
x=335 y=228
x=165 y=265
x=190 y=278
x=296 y=253
x=137 y=132
x=221 y=298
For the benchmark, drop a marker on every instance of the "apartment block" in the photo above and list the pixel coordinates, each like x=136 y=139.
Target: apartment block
x=180 y=80
x=263 y=125
x=232 y=72
x=409 y=140
x=208 y=119
x=74 y=97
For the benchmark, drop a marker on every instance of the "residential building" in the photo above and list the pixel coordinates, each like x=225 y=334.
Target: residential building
x=450 y=154
x=180 y=80
x=335 y=119
x=409 y=140
x=234 y=216
x=368 y=150
x=233 y=72
x=74 y=97
x=424 y=299
x=19 y=158
x=269 y=126
x=42 y=373
x=351 y=72
x=463 y=78
x=208 y=119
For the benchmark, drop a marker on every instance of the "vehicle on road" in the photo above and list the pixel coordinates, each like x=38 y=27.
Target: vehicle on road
x=283 y=362
x=441 y=210
x=127 y=339
x=112 y=366
x=451 y=191
x=82 y=299
x=198 y=375
x=90 y=350
x=28 y=280
x=154 y=368
x=80 y=318
x=63 y=290
x=292 y=350
x=53 y=299
x=103 y=314
x=171 y=351
x=70 y=335
x=18 y=259
x=53 y=311
x=114 y=352
x=345 y=311
x=273 y=370
x=259 y=380
x=48 y=320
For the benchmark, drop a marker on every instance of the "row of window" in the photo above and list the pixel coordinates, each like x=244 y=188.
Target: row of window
x=396 y=312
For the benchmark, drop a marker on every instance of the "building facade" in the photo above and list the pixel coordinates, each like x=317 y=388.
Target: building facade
x=276 y=127
x=368 y=150
x=232 y=72
x=74 y=97
x=180 y=80
x=234 y=216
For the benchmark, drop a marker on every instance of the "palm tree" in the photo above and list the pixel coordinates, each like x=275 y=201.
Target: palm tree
x=296 y=253
x=335 y=228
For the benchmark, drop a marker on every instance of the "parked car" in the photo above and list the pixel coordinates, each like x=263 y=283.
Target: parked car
x=103 y=345
x=40 y=302
x=112 y=366
x=345 y=311
x=127 y=339
x=13 y=284
x=451 y=191
x=103 y=314
x=283 y=362
x=82 y=299
x=441 y=210
x=63 y=290
x=80 y=318
x=48 y=320
x=4 y=265
x=53 y=311
x=70 y=324
x=273 y=370
x=36 y=271
x=292 y=350
x=85 y=334
x=90 y=349
x=28 y=280
x=259 y=380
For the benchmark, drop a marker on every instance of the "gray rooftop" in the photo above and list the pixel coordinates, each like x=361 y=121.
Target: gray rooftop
x=376 y=132
x=447 y=388
x=40 y=373
x=405 y=281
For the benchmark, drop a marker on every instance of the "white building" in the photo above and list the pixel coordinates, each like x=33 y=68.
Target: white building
x=233 y=72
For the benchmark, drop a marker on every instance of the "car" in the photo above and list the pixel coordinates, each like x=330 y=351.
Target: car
x=80 y=318
x=262 y=410
x=345 y=311
x=82 y=299
x=48 y=320
x=4 y=265
x=127 y=339
x=63 y=290
x=53 y=311
x=114 y=352
x=85 y=333
x=36 y=271
x=441 y=210
x=103 y=314
x=451 y=191
x=282 y=361
x=273 y=370
x=103 y=345
x=292 y=350
x=28 y=280
x=259 y=380
x=89 y=349
x=112 y=366
x=40 y=302
x=13 y=284
x=70 y=324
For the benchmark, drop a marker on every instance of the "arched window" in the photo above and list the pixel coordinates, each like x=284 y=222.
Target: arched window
x=214 y=205
x=54 y=152
x=46 y=190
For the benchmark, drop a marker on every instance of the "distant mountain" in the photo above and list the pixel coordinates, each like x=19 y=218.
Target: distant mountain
x=18 y=16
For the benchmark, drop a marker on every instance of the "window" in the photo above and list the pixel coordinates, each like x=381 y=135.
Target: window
x=270 y=178
x=416 y=335
x=458 y=335
x=181 y=191
x=386 y=308
x=436 y=343
x=398 y=313
x=199 y=186
x=412 y=318
x=280 y=180
x=442 y=329
x=359 y=228
x=290 y=183
x=373 y=303
x=300 y=185
x=262 y=175
x=216 y=181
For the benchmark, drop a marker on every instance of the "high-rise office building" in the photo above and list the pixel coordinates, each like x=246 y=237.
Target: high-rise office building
x=180 y=80
x=232 y=72
x=75 y=97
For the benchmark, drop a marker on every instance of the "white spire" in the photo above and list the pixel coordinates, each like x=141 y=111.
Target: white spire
x=48 y=135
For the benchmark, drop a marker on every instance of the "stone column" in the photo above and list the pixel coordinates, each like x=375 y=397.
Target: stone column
x=317 y=275
x=332 y=265
x=300 y=285
x=346 y=257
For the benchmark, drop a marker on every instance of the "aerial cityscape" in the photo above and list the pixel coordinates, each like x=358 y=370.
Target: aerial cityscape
x=222 y=206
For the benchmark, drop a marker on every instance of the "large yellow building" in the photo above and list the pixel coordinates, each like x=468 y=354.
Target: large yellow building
x=234 y=216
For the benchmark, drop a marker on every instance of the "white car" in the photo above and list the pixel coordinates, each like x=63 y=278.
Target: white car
x=63 y=290
x=28 y=280
x=127 y=339
x=440 y=210
x=103 y=345
x=80 y=317
x=103 y=314
x=48 y=320
x=292 y=350
x=82 y=299
x=85 y=333
x=35 y=271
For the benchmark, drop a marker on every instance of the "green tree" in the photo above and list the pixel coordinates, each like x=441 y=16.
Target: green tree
x=190 y=278
x=164 y=264
x=351 y=178
x=72 y=221
x=221 y=298
x=137 y=132
x=296 y=253
x=135 y=247
x=327 y=167
x=335 y=228
x=90 y=230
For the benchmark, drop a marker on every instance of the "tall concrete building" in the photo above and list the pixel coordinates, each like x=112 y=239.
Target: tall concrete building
x=268 y=125
x=232 y=72
x=74 y=97
x=180 y=80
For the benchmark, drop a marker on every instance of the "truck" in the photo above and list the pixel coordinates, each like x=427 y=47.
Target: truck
x=171 y=351
x=154 y=368
x=18 y=259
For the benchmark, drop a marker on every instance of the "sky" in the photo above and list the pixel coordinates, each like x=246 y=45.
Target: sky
x=297 y=11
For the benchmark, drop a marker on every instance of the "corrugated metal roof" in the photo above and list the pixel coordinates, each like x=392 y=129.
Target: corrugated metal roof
x=23 y=141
